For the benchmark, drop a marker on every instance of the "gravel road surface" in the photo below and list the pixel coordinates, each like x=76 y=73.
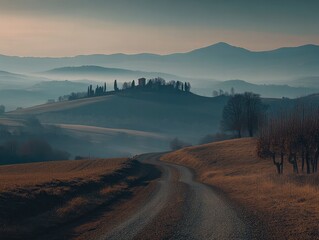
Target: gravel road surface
x=206 y=215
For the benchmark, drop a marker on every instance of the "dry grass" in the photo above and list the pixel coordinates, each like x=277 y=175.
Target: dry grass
x=54 y=200
x=74 y=205
x=30 y=174
x=37 y=197
x=288 y=203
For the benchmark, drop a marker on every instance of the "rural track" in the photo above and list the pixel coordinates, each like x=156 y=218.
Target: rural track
x=206 y=215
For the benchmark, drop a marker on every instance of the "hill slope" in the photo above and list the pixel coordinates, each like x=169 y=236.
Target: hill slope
x=234 y=168
x=60 y=200
x=172 y=114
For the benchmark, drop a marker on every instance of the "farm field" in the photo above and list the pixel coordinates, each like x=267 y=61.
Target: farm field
x=56 y=197
x=30 y=174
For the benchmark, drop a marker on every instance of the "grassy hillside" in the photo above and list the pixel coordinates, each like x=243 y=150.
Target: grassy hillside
x=287 y=203
x=134 y=121
x=172 y=114
x=55 y=197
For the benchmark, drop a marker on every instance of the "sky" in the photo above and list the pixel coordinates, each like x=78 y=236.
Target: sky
x=75 y=27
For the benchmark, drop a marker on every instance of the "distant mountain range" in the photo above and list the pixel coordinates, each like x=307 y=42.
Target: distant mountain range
x=220 y=61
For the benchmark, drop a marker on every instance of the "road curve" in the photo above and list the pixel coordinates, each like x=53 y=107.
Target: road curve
x=205 y=216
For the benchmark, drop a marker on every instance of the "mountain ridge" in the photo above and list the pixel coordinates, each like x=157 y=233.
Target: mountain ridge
x=219 y=61
x=218 y=44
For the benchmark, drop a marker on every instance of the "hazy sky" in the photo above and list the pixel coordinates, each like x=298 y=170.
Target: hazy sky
x=72 y=27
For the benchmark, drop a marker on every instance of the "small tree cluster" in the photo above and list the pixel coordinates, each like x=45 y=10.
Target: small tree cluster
x=30 y=151
x=293 y=136
x=2 y=109
x=157 y=84
x=243 y=112
x=74 y=96
x=221 y=92
x=99 y=90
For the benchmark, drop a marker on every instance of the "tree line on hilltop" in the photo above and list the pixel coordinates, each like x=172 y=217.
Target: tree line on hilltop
x=159 y=84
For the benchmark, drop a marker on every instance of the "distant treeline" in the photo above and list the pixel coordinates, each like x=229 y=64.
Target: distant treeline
x=28 y=143
x=158 y=84
x=221 y=92
x=35 y=150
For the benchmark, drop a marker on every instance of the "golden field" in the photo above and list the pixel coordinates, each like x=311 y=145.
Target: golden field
x=22 y=175
x=50 y=199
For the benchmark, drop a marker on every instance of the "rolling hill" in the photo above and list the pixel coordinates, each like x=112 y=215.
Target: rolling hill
x=171 y=114
x=133 y=121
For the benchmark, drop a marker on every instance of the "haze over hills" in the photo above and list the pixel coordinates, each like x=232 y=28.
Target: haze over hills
x=99 y=73
x=30 y=93
x=9 y=80
x=220 y=61
x=264 y=90
x=286 y=72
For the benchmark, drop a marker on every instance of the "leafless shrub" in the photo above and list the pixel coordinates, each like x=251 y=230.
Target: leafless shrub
x=294 y=136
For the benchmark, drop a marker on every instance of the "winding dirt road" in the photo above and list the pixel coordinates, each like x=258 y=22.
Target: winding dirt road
x=202 y=213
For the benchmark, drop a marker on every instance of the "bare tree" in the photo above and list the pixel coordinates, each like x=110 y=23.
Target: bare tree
x=253 y=109
x=243 y=112
x=293 y=135
x=233 y=115
x=2 y=109
x=115 y=86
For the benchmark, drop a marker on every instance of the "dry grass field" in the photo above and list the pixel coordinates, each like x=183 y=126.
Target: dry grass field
x=31 y=174
x=287 y=203
x=38 y=199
